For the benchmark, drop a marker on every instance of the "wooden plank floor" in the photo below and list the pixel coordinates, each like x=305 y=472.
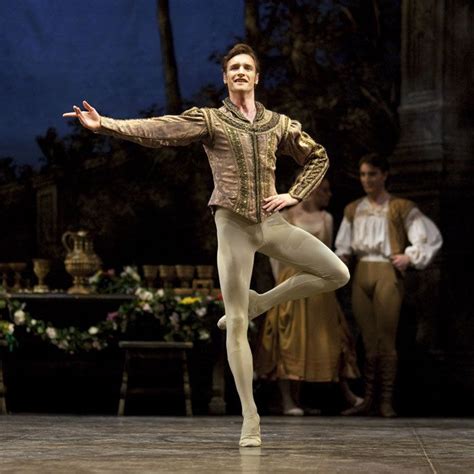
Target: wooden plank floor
x=73 y=444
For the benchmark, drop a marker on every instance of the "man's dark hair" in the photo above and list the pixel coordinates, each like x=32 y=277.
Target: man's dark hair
x=376 y=161
x=240 y=48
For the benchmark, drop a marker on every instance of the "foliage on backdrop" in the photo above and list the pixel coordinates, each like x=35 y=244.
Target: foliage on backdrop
x=332 y=65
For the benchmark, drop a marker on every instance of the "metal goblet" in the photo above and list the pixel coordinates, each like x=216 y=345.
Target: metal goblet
x=41 y=268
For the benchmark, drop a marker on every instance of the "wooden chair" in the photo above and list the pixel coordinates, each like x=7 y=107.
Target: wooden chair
x=157 y=351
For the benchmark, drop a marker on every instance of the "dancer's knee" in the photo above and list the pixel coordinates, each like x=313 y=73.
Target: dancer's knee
x=236 y=325
x=341 y=275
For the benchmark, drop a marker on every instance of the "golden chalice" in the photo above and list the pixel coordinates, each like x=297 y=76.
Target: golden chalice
x=150 y=272
x=205 y=272
x=167 y=274
x=185 y=274
x=41 y=267
x=17 y=268
x=4 y=267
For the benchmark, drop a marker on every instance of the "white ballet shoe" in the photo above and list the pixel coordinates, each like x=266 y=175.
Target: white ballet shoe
x=250 y=434
x=295 y=411
x=253 y=311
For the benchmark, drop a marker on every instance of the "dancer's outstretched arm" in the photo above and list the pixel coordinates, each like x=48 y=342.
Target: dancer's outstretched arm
x=169 y=130
x=89 y=117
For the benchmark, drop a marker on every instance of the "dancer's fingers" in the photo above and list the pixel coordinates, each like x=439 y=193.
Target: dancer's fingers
x=69 y=114
x=87 y=106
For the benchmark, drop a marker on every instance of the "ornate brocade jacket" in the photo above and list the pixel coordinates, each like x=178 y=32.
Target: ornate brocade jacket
x=242 y=154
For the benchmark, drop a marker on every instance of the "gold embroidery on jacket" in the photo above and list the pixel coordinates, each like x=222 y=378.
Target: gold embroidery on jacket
x=256 y=127
x=269 y=164
x=238 y=152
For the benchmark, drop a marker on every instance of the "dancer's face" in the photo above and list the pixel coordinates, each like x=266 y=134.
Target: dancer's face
x=241 y=74
x=372 y=179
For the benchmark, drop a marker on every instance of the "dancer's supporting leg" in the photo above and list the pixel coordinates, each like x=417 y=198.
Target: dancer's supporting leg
x=237 y=241
x=320 y=268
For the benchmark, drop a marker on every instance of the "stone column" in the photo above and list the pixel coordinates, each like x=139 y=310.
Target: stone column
x=433 y=165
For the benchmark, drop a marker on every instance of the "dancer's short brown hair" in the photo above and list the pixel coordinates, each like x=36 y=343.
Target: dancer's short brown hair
x=377 y=161
x=240 y=48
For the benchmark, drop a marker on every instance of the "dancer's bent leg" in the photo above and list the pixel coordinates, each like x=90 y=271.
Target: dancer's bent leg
x=237 y=241
x=321 y=270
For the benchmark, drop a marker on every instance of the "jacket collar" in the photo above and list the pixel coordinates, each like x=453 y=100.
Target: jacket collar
x=231 y=107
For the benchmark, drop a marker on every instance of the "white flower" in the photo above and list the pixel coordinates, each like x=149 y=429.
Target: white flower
x=144 y=295
x=33 y=322
x=174 y=318
x=201 y=312
x=51 y=332
x=11 y=328
x=19 y=317
x=93 y=330
x=94 y=278
x=204 y=335
x=130 y=271
x=146 y=307
x=160 y=293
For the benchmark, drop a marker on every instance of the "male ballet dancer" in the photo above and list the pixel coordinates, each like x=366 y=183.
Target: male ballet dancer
x=241 y=139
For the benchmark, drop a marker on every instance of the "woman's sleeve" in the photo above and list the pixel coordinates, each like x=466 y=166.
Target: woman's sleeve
x=169 y=130
x=344 y=238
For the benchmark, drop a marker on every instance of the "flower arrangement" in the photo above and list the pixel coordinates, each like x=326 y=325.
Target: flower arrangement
x=154 y=314
x=107 y=282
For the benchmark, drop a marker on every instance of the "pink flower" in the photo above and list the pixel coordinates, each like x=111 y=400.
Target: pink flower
x=112 y=316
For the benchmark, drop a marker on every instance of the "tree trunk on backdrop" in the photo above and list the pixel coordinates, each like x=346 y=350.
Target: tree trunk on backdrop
x=173 y=94
x=252 y=30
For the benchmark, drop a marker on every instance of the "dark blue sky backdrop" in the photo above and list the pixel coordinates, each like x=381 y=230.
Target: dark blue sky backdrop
x=54 y=53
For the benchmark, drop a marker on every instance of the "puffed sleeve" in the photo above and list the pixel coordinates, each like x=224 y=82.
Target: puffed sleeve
x=425 y=239
x=307 y=153
x=191 y=126
x=344 y=238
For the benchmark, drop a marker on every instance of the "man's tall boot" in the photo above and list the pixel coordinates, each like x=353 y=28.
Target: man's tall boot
x=364 y=408
x=388 y=374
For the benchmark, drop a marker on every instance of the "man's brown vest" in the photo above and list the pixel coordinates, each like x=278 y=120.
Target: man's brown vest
x=398 y=210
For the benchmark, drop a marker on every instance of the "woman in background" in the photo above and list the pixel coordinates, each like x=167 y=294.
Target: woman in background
x=308 y=339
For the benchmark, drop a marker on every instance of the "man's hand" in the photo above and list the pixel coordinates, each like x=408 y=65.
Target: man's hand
x=89 y=118
x=278 y=202
x=400 y=261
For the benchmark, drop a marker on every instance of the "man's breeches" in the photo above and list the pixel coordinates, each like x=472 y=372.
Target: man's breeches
x=377 y=293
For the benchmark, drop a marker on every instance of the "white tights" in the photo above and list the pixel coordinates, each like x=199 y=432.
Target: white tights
x=320 y=270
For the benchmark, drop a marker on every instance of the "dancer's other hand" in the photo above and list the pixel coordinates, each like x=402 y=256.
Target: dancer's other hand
x=345 y=258
x=400 y=261
x=89 y=118
x=278 y=202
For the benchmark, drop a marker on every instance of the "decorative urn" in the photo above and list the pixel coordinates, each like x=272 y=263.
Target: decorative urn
x=81 y=262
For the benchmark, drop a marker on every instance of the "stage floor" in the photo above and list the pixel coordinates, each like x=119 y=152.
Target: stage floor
x=53 y=444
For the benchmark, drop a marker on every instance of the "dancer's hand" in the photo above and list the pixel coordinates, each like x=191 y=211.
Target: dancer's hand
x=400 y=261
x=345 y=258
x=278 y=202
x=89 y=118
